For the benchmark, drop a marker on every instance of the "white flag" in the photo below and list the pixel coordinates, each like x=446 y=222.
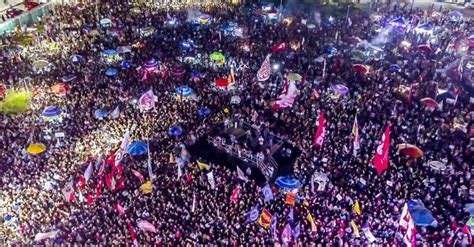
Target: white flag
x=241 y=175
x=264 y=72
x=150 y=170
x=212 y=181
x=88 y=172
x=123 y=148
x=355 y=136
x=147 y=100
x=194 y=203
x=45 y=235
x=180 y=172
x=116 y=113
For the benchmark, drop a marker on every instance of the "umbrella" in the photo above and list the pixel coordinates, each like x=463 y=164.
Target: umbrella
x=437 y=165
x=150 y=64
x=105 y=22
x=235 y=100
x=364 y=69
x=36 y=148
x=147 y=187
x=331 y=51
x=422 y=216
x=204 y=18
x=60 y=88
x=125 y=64
x=100 y=113
x=184 y=91
x=137 y=148
x=7 y=218
x=470 y=208
x=75 y=58
x=124 y=49
x=222 y=83
x=178 y=71
x=228 y=28
x=355 y=40
x=410 y=150
x=217 y=56
x=175 y=131
x=68 y=78
x=455 y=13
x=109 y=52
x=395 y=68
x=429 y=102
x=40 y=64
x=425 y=47
x=340 y=89
x=294 y=77
x=111 y=72
x=288 y=182
x=204 y=111
x=51 y=111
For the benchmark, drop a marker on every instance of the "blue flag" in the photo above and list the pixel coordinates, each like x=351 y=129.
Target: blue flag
x=253 y=214
x=286 y=234
x=296 y=231
x=267 y=193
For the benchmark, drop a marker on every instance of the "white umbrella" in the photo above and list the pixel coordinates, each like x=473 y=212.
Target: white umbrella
x=235 y=100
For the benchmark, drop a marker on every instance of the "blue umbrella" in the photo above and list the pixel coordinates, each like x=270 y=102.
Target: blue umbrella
x=395 y=68
x=152 y=63
x=110 y=52
x=185 y=91
x=175 y=131
x=288 y=182
x=137 y=148
x=100 y=113
x=51 y=111
x=228 y=27
x=15 y=207
x=75 y=58
x=86 y=28
x=204 y=111
x=470 y=208
x=111 y=72
x=7 y=218
x=125 y=64
x=331 y=51
x=422 y=216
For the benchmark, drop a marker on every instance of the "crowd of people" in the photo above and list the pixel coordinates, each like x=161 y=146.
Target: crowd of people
x=184 y=206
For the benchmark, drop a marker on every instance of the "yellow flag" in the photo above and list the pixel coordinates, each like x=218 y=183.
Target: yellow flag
x=311 y=221
x=172 y=161
x=146 y=187
x=203 y=166
x=355 y=228
x=357 y=208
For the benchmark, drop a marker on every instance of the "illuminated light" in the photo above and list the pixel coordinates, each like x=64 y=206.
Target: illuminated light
x=405 y=44
x=276 y=66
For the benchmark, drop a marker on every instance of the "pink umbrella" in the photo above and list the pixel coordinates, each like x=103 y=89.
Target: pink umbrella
x=178 y=71
x=429 y=102
x=364 y=69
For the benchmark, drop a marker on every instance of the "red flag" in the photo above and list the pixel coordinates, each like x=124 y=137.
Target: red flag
x=319 y=135
x=138 y=175
x=235 y=194
x=380 y=159
x=110 y=159
x=467 y=230
x=119 y=169
x=120 y=184
x=120 y=209
x=89 y=198
x=81 y=184
x=101 y=169
x=132 y=233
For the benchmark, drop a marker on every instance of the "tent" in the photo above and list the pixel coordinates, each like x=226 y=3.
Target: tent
x=36 y=148
x=287 y=182
x=137 y=148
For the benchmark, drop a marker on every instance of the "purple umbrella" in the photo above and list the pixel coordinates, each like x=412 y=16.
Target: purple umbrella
x=340 y=89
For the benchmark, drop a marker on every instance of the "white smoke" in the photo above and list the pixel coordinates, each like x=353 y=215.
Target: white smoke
x=317 y=18
x=383 y=37
x=192 y=14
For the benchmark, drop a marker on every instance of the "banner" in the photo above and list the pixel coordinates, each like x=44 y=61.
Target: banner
x=405 y=217
x=368 y=234
x=265 y=219
x=267 y=193
x=264 y=72
x=212 y=181
x=380 y=159
x=138 y=175
x=319 y=135
x=46 y=235
x=253 y=214
x=68 y=192
x=273 y=227
x=287 y=97
x=146 y=226
x=123 y=148
x=290 y=198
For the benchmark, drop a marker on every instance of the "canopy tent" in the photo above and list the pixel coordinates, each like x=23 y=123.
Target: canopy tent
x=137 y=148
x=60 y=88
x=287 y=182
x=410 y=150
x=36 y=148
x=51 y=112
x=40 y=64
